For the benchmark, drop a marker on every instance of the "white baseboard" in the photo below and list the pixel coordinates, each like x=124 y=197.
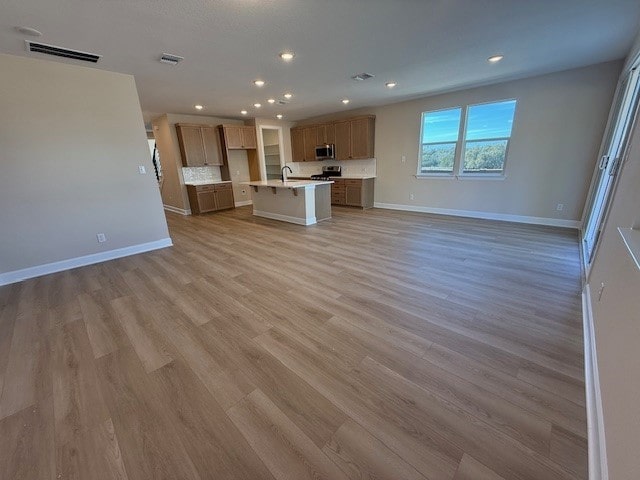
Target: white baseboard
x=39 y=270
x=285 y=218
x=244 y=203
x=598 y=469
x=553 y=222
x=181 y=211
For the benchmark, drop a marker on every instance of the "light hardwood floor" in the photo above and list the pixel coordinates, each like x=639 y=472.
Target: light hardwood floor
x=378 y=344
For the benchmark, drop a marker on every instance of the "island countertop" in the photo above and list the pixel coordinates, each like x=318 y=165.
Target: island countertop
x=288 y=184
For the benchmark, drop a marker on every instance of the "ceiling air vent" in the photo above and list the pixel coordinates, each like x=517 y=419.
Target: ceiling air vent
x=362 y=76
x=62 y=52
x=171 y=59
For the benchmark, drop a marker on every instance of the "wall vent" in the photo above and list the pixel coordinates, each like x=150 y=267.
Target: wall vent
x=362 y=76
x=171 y=59
x=62 y=52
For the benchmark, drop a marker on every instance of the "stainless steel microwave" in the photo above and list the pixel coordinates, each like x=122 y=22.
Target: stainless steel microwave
x=325 y=152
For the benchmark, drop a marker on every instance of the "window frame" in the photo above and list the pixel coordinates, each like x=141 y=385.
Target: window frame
x=458 y=160
x=440 y=173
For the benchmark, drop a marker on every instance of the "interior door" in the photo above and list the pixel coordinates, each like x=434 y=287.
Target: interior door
x=623 y=113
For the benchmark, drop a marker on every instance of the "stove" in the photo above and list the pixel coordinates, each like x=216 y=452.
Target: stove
x=328 y=171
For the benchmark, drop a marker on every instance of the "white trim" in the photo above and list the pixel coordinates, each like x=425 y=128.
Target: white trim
x=244 y=203
x=181 y=211
x=285 y=218
x=598 y=469
x=505 y=217
x=39 y=270
x=462 y=176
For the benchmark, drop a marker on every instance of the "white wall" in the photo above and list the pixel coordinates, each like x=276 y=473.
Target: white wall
x=558 y=127
x=616 y=319
x=71 y=140
x=617 y=324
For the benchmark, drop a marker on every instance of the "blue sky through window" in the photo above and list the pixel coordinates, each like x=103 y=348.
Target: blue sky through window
x=441 y=126
x=491 y=120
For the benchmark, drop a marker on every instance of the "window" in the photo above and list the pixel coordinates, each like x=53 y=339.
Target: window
x=440 y=131
x=483 y=138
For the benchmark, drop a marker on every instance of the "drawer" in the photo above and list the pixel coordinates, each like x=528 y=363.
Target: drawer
x=338 y=182
x=355 y=182
x=222 y=186
x=204 y=188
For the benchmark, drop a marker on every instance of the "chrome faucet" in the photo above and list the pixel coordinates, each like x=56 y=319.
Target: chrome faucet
x=283 y=175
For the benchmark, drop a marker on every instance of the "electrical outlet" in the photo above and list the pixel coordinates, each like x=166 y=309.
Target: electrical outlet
x=142 y=169
x=404 y=158
x=238 y=173
x=560 y=207
x=411 y=196
x=101 y=237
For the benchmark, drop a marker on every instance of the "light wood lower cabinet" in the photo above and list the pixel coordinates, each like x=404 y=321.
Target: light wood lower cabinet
x=210 y=198
x=354 y=192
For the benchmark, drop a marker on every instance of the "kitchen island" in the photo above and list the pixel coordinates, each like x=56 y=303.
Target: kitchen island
x=304 y=202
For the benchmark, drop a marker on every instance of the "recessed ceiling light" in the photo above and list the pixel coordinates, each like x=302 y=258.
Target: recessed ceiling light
x=495 y=58
x=279 y=116
x=258 y=83
x=287 y=56
x=243 y=112
x=257 y=105
x=288 y=95
x=198 y=107
x=345 y=100
x=29 y=31
x=391 y=84
x=272 y=100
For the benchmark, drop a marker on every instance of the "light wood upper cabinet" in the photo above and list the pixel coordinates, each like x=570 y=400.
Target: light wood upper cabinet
x=343 y=140
x=297 y=144
x=310 y=139
x=353 y=139
x=362 y=137
x=239 y=137
x=233 y=136
x=211 y=146
x=326 y=134
x=249 y=138
x=198 y=145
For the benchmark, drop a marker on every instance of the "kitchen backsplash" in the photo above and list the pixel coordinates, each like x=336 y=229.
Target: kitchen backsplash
x=349 y=167
x=201 y=174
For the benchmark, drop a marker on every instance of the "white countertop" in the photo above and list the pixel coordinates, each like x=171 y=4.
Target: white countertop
x=204 y=182
x=288 y=184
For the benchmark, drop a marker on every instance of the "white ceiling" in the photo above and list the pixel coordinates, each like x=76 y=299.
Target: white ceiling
x=426 y=46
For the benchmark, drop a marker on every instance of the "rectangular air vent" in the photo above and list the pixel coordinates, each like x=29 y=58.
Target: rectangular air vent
x=62 y=52
x=362 y=76
x=171 y=59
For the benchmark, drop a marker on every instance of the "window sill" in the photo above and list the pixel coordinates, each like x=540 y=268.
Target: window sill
x=467 y=176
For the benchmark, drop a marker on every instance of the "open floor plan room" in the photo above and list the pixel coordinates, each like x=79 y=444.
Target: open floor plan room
x=414 y=347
